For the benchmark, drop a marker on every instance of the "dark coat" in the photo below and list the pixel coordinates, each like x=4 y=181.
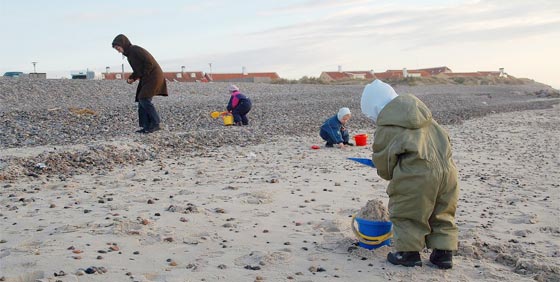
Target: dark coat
x=145 y=68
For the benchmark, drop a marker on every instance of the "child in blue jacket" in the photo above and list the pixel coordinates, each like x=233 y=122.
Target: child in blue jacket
x=333 y=131
x=239 y=105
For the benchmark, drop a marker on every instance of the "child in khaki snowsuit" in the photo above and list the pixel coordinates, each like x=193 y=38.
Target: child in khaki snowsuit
x=413 y=152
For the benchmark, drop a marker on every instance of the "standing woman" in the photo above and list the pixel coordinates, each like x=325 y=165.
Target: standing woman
x=152 y=83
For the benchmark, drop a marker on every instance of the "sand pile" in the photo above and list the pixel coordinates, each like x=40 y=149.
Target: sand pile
x=374 y=210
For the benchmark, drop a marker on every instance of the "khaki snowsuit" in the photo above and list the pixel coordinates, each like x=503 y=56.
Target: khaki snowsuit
x=412 y=151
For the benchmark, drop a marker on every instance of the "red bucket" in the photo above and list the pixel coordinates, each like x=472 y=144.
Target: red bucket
x=361 y=139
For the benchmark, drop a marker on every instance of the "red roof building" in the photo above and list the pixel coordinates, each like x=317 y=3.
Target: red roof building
x=114 y=75
x=369 y=75
x=388 y=74
x=398 y=74
x=243 y=77
x=195 y=76
x=345 y=75
x=436 y=71
x=192 y=76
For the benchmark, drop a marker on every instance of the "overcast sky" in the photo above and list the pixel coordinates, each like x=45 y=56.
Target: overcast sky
x=292 y=38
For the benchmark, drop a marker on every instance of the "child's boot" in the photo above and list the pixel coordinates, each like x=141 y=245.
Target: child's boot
x=442 y=258
x=405 y=258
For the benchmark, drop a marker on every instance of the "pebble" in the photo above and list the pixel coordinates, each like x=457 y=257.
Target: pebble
x=28 y=119
x=250 y=267
x=80 y=272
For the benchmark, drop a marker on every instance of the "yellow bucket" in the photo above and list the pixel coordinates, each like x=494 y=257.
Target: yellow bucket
x=228 y=119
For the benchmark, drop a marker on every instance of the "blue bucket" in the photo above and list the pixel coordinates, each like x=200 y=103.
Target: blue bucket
x=368 y=228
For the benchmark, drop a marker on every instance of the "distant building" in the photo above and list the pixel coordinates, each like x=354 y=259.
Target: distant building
x=370 y=75
x=85 y=75
x=403 y=73
x=14 y=74
x=477 y=74
x=398 y=74
x=437 y=70
x=345 y=75
x=19 y=74
x=115 y=75
x=192 y=76
x=263 y=77
x=40 y=75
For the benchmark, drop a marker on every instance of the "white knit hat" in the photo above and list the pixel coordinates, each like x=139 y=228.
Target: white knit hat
x=232 y=88
x=342 y=112
x=374 y=98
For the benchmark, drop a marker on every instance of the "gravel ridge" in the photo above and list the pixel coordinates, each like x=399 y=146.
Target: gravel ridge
x=64 y=113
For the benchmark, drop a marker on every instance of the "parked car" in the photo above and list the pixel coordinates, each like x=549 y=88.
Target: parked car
x=13 y=74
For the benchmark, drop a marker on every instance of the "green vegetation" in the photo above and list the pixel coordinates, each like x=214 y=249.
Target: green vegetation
x=302 y=80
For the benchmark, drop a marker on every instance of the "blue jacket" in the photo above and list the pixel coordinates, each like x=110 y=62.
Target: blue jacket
x=332 y=128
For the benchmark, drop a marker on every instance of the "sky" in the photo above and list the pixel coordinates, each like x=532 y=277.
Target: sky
x=290 y=37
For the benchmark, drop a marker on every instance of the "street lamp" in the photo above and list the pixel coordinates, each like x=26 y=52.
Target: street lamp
x=34 y=69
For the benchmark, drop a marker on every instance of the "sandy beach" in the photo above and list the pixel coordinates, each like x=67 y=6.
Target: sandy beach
x=273 y=210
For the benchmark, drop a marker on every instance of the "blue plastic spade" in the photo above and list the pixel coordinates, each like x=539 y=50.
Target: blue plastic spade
x=363 y=161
